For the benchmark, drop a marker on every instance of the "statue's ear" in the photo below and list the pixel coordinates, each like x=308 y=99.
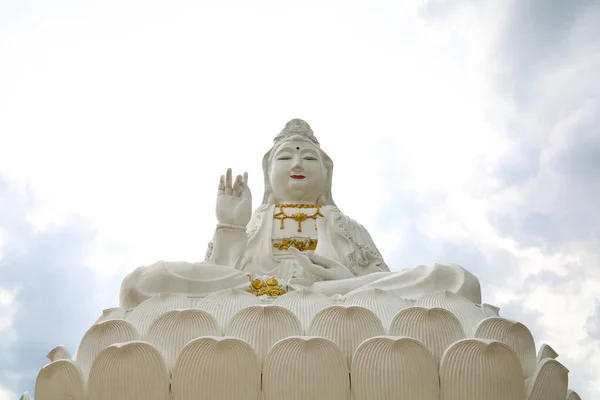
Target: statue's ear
x=268 y=190
x=328 y=198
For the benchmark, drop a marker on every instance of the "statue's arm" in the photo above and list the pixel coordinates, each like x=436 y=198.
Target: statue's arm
x=227 y=246
x=234 y=208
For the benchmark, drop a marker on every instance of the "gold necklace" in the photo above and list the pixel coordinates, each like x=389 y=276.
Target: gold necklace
x=298 y=217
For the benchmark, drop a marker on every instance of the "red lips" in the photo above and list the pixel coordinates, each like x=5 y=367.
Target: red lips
x=297 y=176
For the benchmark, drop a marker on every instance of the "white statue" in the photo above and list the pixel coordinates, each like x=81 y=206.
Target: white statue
x=297 y=235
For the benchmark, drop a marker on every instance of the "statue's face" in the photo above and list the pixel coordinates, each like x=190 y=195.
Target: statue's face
x=297 y=172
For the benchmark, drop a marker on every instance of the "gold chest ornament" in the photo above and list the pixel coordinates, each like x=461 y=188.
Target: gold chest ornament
x=299 y=217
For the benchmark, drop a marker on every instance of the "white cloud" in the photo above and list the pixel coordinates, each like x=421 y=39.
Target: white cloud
x=6 y=395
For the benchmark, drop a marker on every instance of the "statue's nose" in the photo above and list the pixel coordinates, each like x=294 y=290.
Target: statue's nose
x=297 y=164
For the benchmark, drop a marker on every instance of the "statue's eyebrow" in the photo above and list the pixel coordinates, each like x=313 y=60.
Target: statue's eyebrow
x=309 y=150
x=283 y=149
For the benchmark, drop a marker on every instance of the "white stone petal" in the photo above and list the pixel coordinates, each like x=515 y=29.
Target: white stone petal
x=571 y=395
x=394 y=368
x=346 y=326
x=305 y=304
x=25 y=396
x=515 y=335
x=59 y=353
x=550 y=381
x=112 y=313
x=436 y=328
x=467 y=312
x=383 y=303
x=216 y=368
x=60 y=379
x=171 y=331
x=300 y=368
x=129 y=371
x=490 y=310
x=546 y=352
x=263 y=326
x=224 y=304
x=481 y=369
x=144 y=315
x=100 y=336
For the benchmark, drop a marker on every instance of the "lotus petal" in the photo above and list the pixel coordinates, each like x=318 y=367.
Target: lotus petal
x=571 y=395
x=304 y=303
x=546 y=352
x=174 y=329
x=467 y=313
x=436 y=328
x=550 y=381
x=346 y=326
x=394 y=368
x=59 y=353
x=100 y=336
x=490 y=310
x=300 y=368
x=144 y=315
x=481 y=369
x=216 y=368
x=25 y=396
x=263 y=326
x=129 y=371
x=112 y=313
x=515 y=335
x=224 y=304
x=383 y=303
x=60 y=379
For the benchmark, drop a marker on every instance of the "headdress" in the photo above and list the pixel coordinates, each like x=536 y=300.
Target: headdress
x=297 y=127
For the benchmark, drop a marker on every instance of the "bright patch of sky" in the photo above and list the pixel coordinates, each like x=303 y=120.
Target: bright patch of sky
x=460 y=132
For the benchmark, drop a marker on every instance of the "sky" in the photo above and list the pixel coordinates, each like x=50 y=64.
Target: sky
x=461 y=131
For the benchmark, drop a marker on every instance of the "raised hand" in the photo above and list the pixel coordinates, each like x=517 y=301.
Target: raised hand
x=234 y=200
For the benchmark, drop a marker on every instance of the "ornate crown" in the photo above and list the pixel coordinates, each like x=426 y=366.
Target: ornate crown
x=297 y=127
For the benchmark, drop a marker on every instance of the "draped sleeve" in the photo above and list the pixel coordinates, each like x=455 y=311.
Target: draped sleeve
x=359 y=253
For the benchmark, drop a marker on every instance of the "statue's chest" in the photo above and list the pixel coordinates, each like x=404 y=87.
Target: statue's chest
x=295 y=225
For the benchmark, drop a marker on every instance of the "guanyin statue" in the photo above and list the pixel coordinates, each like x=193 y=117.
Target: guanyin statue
x=297 y=235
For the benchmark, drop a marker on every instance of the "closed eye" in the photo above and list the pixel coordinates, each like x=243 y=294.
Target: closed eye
x=310 y=158
x=284 y=158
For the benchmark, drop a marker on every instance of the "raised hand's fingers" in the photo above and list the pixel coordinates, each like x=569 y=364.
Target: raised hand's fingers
x=237 y=186
x=244 y=189
x=221 y=185
x=228 y=188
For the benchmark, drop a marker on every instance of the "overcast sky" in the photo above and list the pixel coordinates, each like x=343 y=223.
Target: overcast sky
x=461 y=131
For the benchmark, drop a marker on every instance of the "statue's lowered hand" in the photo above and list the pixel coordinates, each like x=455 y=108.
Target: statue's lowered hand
x=234 y=200
x=321 y=266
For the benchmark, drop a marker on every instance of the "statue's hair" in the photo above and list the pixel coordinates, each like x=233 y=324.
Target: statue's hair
x=298 y=130
x=296 y=127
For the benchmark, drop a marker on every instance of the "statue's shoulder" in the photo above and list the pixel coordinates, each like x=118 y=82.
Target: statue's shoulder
x=346 y=225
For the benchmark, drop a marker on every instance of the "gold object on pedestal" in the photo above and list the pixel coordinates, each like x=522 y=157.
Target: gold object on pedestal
x=269 y=287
